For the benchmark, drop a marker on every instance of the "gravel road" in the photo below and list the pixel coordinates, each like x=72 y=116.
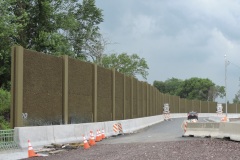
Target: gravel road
x=197 y=149
x=162 y=141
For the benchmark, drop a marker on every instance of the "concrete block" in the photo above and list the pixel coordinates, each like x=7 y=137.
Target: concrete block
x=64 y=133
x=37 y=135
x=230 y=129
x=202 y=129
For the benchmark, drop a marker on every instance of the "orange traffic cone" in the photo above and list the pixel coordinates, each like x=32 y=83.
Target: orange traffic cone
x=100 y=134
x=86 y=145
x=97 y=137
x=31 y=152
x=224 y=119
x=92 y=140
x=103 y=134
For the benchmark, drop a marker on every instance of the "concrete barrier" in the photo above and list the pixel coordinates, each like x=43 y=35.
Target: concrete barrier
x=202 y=129
x=215 y=129
x=42 y=135
x=230 y=130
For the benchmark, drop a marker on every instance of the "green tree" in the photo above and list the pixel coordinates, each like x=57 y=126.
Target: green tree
x=85 y=34
x=170 y=86
x=237 y=98
x=45 y=25
x=131 y=65
x=9 y=28
x=216 y=91
x=160 y=85
x=54 y=27
x=195 y=88
x=4 y=109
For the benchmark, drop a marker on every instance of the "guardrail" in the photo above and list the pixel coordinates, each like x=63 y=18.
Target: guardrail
x=7 y=140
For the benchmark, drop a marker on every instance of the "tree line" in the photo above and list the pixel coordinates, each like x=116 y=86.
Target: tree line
x=194 y=88
x=57 y=27
x=71 y=27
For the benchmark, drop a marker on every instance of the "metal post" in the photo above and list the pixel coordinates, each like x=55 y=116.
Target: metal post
x=95 y=80
x=113 y=95
x=17 y=87
x=65 y=90
x=226 y=83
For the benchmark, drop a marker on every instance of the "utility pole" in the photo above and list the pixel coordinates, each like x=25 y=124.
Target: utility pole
x=225 y=56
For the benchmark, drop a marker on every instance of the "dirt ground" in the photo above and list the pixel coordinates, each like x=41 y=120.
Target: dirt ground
x=200 y=149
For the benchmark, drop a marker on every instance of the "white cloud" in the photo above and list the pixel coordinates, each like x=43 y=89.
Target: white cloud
x=181 y=39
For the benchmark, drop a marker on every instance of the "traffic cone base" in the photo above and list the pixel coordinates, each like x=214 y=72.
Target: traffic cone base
x=103 y=134
x=91 y=140
x=98 y=137
x=31 y=152
x=86 y=145
x=225 y=119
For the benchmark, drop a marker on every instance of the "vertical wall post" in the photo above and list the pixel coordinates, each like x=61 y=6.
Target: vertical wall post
x=208 y=105
x=200 y=106
x=185 y=105
x=156 y=101
x=138 y=114
x=147 y=112
x=113 y=95
x=124 y=96
x=12 y=117
x=131 y=110
x=65 y=89
x=95 y=93
x=17 y=87
x=179 y=104
x=143 y=105
x=236 y=108
x=192 y=105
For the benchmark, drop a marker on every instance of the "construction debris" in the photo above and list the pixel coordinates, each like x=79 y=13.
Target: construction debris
x=55 y=148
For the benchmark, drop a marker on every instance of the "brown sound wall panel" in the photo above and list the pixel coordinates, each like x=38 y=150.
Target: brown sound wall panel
x=144 y=99
x=175 y=104
x=150 y=100
x=189 y=106
x=204 y=107
x=161 y=97
x=42 y=89
x=119 y=100
x=238 y=108
x=231 y=108
x=80 y=90
x=135 y=107
x=212 y=107
x=154 y=101
x=196 y=106
x=140 y=99
x=104 y=94
x=182 y=106
x=128 y=98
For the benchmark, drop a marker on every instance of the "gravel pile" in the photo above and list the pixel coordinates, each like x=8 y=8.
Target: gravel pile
x=200 y=149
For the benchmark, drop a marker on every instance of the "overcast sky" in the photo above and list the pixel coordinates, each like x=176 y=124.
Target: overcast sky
x=178 y=38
